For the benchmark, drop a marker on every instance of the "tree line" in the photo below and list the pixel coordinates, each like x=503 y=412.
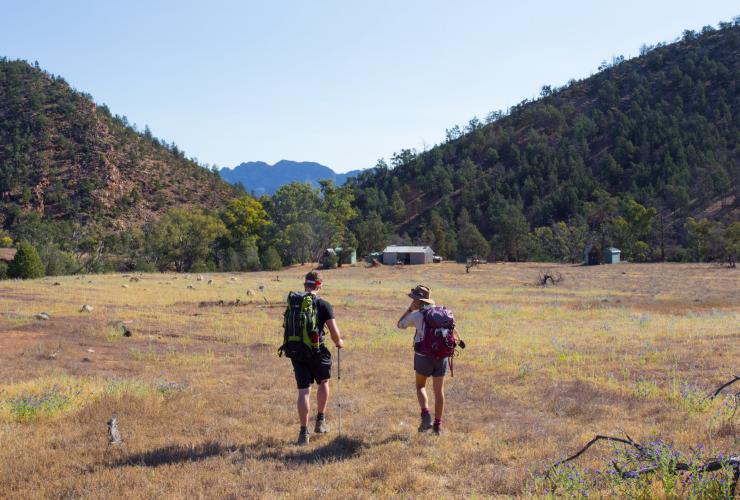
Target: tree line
x=297 y=224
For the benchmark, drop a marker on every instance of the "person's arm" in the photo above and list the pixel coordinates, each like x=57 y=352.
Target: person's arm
x=401 y=322
x=336 y=335
x=405 y=321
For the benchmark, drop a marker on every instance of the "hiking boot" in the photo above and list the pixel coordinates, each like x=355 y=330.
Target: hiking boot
x=426 y=422
x=303 y=438
x=437 y=430
x=321 y=427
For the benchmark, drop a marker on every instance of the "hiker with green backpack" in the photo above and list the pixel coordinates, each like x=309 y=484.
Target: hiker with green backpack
x=303 y=342
x=435 y=343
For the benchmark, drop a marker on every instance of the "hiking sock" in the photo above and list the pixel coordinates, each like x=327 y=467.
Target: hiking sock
x=425 y=411
x=320 y=416
x=437 y=422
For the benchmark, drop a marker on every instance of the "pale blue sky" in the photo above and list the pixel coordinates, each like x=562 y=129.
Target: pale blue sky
x=338 y=82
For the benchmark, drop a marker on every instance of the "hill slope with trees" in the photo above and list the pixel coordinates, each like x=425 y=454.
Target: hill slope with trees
x=64 y=158
x=636 y=156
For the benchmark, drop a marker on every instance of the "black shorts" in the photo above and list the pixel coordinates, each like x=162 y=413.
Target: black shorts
x=315 y=369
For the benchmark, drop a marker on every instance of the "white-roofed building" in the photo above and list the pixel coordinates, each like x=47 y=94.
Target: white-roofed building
x=407 y=255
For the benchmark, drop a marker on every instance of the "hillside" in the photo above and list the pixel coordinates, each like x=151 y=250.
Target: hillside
x=66 y=158
x=661 y=129
x=262 y=178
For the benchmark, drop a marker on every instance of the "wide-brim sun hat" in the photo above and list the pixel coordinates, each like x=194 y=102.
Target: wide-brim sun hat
x=422 y=294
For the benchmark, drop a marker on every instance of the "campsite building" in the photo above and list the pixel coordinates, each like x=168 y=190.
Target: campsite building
x=407 y=255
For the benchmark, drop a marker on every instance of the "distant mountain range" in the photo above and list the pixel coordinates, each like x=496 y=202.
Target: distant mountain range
x=261 y=178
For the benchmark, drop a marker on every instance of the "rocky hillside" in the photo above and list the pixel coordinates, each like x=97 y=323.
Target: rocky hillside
x=66 y=158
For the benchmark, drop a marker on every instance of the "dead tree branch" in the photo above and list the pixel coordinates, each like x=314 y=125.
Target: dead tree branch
x=646 y=454
x=553 y=277
x=723 y=386
x=588 y=445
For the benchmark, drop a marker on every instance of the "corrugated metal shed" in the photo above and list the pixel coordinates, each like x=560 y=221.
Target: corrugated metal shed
x=393 y=255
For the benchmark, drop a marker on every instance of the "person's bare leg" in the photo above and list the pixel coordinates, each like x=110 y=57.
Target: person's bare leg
x=421 y=391
x=304 y=405
x=439 y=397
x=322 y=395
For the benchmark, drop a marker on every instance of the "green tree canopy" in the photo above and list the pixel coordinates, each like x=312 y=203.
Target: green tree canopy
x=183 y=238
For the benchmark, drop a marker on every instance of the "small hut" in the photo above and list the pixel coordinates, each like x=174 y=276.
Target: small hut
x=613 y=255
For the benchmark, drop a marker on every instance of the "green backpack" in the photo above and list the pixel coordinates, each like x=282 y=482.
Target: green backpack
x=301 y=336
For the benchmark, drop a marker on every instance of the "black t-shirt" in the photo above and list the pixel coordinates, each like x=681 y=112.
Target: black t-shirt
x=324 y=312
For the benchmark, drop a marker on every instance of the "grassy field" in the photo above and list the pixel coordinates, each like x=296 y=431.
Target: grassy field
x=207 y=409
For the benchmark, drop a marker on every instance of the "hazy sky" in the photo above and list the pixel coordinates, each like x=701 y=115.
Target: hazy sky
x=339 y=82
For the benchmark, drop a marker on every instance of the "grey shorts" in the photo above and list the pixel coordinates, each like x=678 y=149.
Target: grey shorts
x=430 y=367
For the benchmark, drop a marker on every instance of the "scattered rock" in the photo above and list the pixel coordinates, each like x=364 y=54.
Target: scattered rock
x=190 y=287
x=200 y=277
x=250 y=292
x=126 y=331
x=89 y=282
x=262 y=288
x=86 y=360
x=124 y=286
x=91 y=350
x=42 y=316
x=56 y=283
x=134 y=279
x=233 y=279
x=86 y=308
x=210 y=282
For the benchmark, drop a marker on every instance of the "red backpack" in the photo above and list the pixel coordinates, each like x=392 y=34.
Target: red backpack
x=439 y=339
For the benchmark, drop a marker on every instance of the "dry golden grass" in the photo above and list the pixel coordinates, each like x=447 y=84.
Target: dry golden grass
x=207 y=409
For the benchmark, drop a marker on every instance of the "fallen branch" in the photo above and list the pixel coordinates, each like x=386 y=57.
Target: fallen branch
x=723 y=386
x=645 y=453
x=588 y=445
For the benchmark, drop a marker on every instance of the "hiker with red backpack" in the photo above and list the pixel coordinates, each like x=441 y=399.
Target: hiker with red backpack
x=435 y=341
x=303 y=342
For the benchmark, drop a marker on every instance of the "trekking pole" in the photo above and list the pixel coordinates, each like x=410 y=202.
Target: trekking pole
x=339 y=388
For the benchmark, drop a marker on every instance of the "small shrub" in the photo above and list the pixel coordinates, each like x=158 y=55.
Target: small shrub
x=28 y=408
x=26 y=264
x=59 y=263
x=330 y=262
x=3 y=271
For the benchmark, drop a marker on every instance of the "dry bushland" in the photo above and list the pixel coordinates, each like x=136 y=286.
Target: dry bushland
x=207 y=409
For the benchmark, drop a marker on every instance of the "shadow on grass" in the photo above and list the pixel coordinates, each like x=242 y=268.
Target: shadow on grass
x=172 y=455
x=340 y=448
